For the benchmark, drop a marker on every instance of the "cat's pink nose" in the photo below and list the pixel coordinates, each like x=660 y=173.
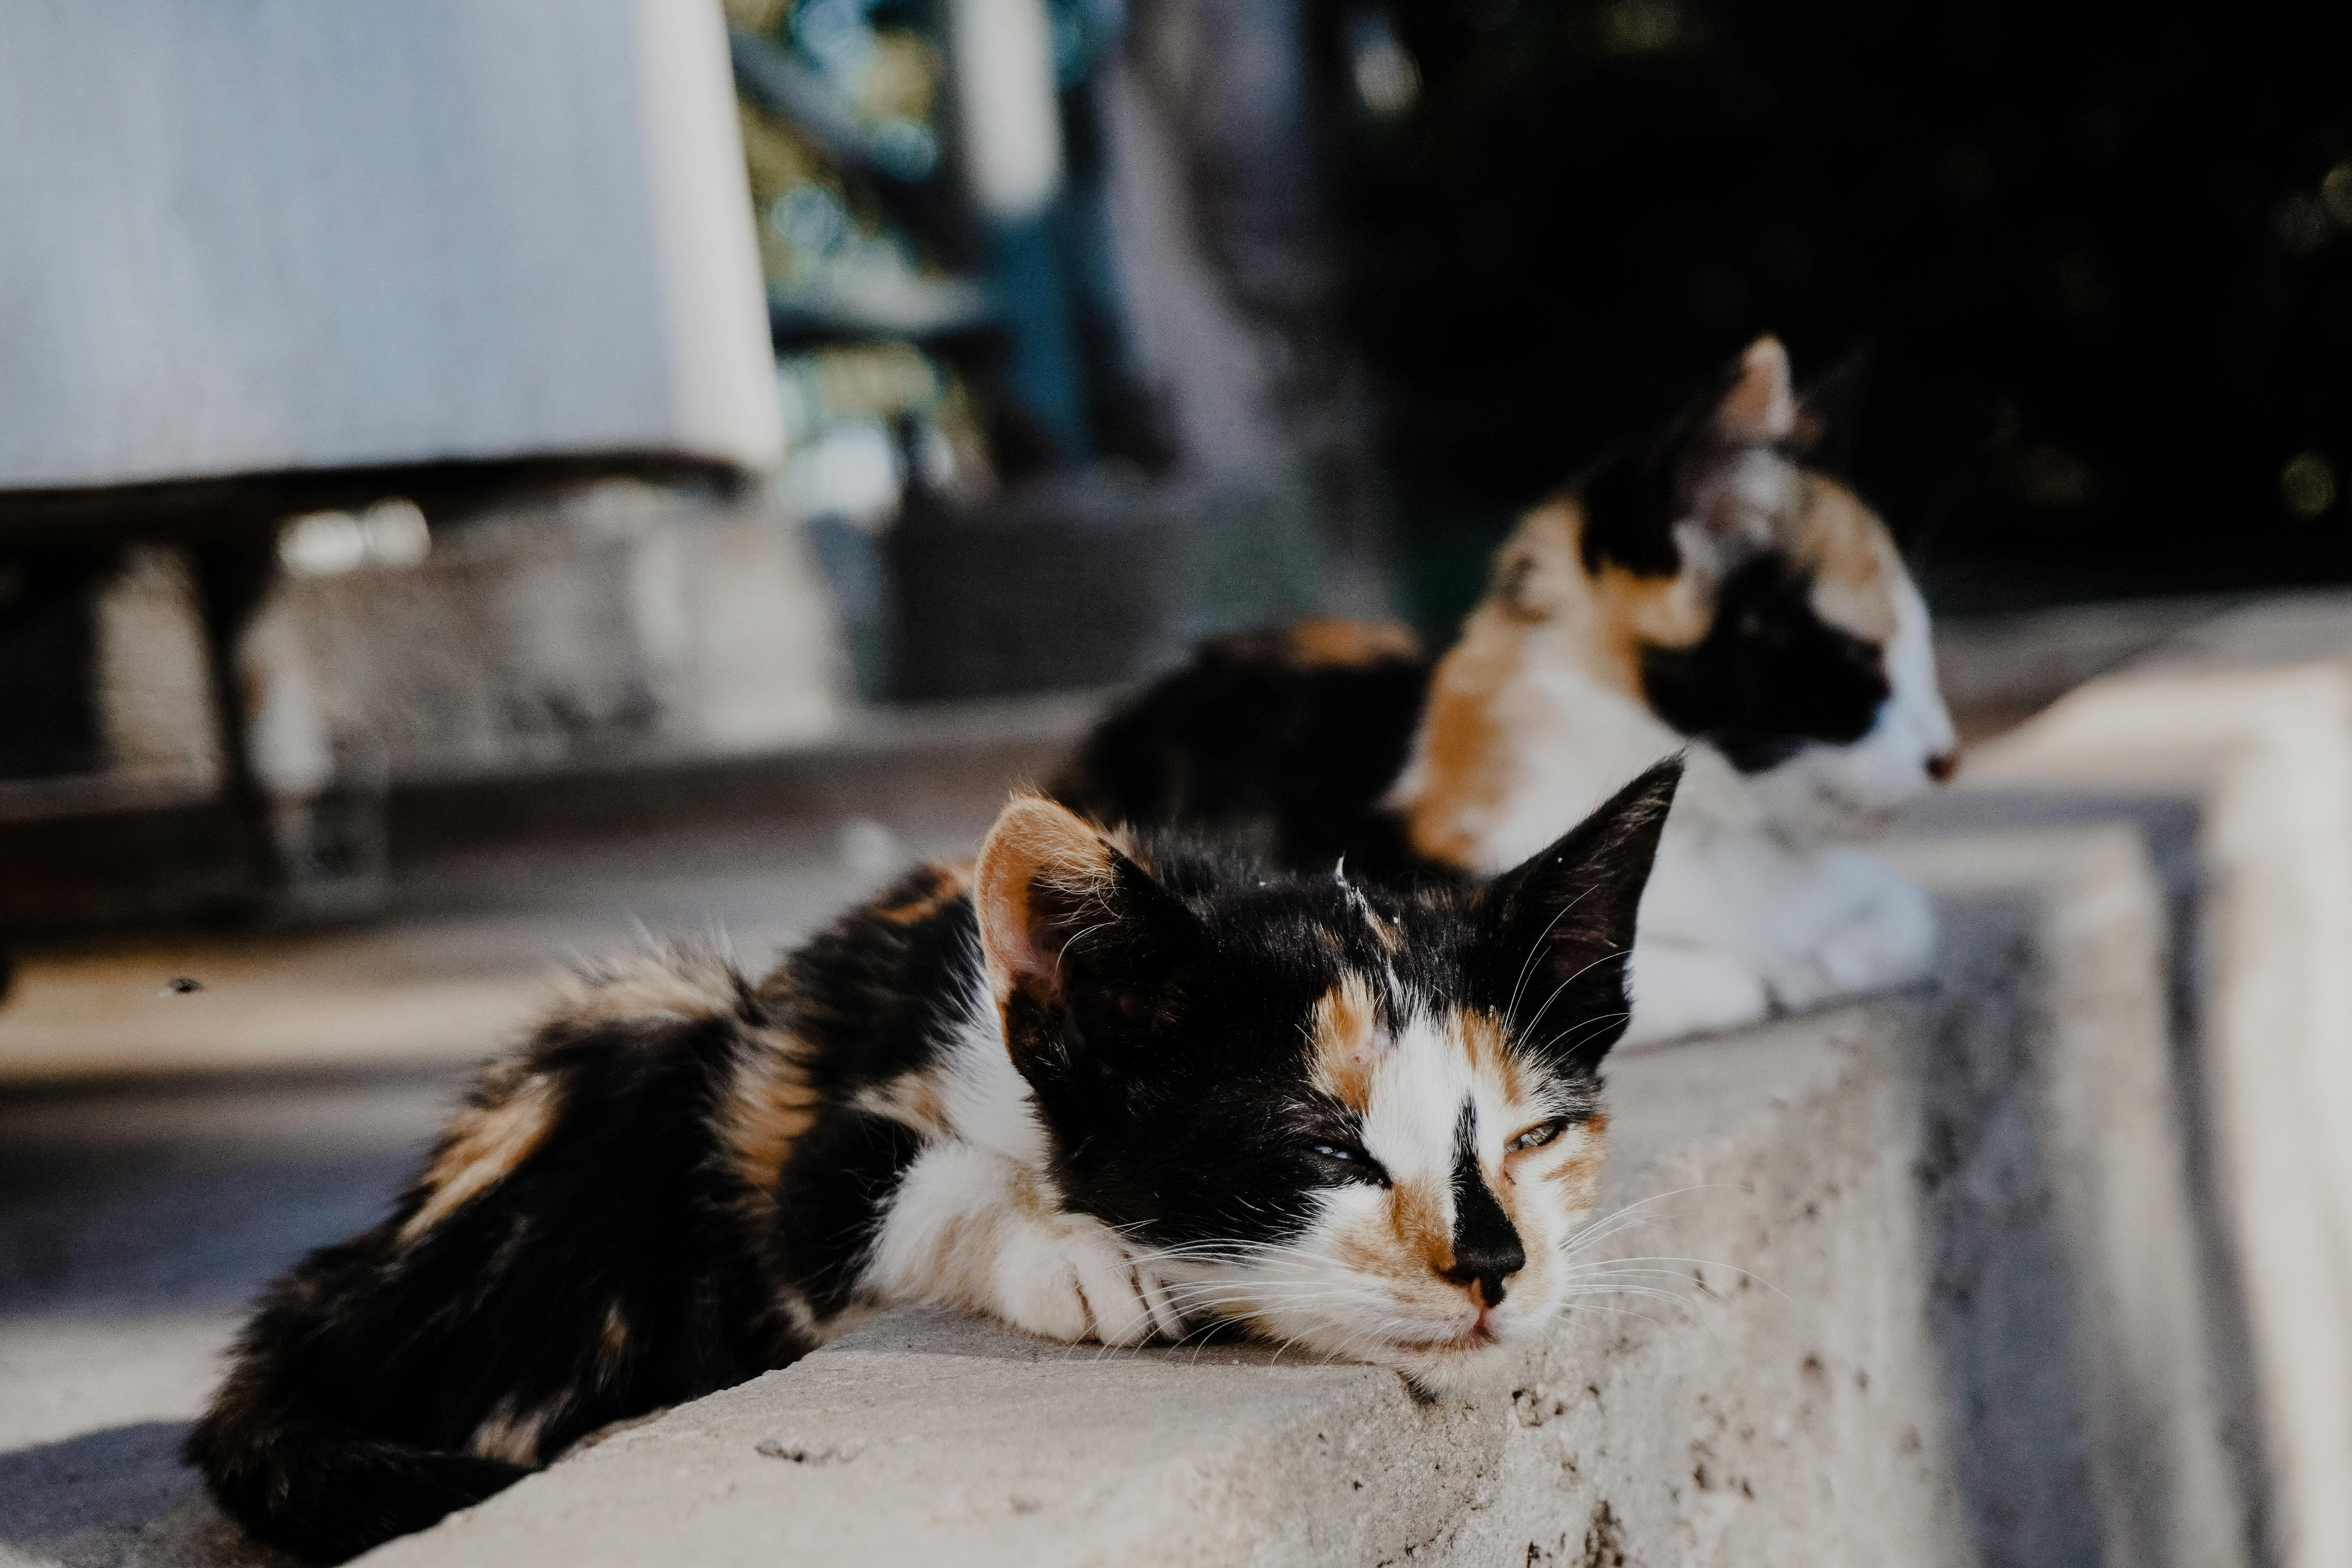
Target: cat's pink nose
x=1944 y=764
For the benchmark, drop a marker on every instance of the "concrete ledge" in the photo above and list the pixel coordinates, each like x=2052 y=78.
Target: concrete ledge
x=1930 y=1298
x=1770 y=1412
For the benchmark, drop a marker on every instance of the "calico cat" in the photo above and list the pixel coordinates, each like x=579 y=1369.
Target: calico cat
x=1713 y=591
x=1099 y=1086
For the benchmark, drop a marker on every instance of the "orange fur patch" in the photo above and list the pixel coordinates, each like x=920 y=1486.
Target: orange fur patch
x=1632 y=612
x=483 y=1145
x=769 y=1105
x=1846 y=544
x=949 y=882
x=1419 y=1242
x=1346 y=1030
x=1481 y=1033
x=1638 y=612
x=1326 y=641
x=1463 y=769
x=913 y=1100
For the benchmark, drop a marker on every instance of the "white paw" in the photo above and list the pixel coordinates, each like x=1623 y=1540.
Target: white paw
x=1682 y=991
x=1071 y=1278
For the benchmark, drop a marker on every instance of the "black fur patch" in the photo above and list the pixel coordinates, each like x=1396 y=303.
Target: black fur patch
x=1486 y=1246
x=1629 y=505
x=839 y=1178
x=1248 y=744
x=1770 y=677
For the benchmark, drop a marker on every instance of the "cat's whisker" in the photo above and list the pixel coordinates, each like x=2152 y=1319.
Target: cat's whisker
x=1571 y=980
x=1535 y=950
x=1704 y=1263
x=1582 y=1027
x=1645 y=1293
x=1585 y=1235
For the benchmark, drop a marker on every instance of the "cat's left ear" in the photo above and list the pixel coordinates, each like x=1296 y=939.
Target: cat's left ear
x=1555 y=933
x=1079 y=939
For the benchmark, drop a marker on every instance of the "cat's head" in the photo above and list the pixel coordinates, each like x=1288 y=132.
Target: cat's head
x=1364 y=1121
x=1752 y=602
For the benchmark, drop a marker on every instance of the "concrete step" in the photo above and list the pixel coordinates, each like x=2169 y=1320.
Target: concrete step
x=2256 y=757
x=1892 y=1239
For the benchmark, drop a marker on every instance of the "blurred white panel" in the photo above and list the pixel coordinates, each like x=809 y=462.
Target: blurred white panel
x=281 y=234
x=1003 y=52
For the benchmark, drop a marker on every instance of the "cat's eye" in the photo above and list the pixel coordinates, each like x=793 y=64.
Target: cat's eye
x=1535 y=1137
x=1353 y=1163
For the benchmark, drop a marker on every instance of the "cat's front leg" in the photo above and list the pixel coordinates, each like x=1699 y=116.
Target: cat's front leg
x=1887 y=932
x=1685 y=989
x=970 y=1227
x=1069 y=1277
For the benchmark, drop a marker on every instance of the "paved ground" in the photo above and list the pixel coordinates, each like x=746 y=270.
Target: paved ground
x=134 y=1225
x=273 y=1110
x=469 y=948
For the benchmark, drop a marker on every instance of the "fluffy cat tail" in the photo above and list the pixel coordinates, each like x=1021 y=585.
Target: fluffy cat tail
x=320 y=1488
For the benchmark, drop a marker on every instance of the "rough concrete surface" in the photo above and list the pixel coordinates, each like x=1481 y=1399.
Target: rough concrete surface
x=2081 y=1363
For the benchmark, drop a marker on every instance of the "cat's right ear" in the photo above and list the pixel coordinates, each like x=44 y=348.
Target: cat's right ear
x=1556 y=932
x=1079 y=939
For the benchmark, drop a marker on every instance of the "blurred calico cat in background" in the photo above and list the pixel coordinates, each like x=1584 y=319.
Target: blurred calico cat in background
x=1715 y=592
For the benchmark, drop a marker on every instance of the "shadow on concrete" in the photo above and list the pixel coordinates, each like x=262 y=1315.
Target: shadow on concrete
x=118 y=1498
x=2001 y=1303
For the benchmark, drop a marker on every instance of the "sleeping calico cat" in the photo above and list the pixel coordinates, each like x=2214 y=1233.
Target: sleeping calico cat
x=1100 y=1088
x=1714 y=591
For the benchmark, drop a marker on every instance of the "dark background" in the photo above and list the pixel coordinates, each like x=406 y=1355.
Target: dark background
x=2095 y=251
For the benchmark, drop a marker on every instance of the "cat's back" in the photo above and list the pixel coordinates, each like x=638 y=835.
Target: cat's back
x=1282 y=740
x=881 y=992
